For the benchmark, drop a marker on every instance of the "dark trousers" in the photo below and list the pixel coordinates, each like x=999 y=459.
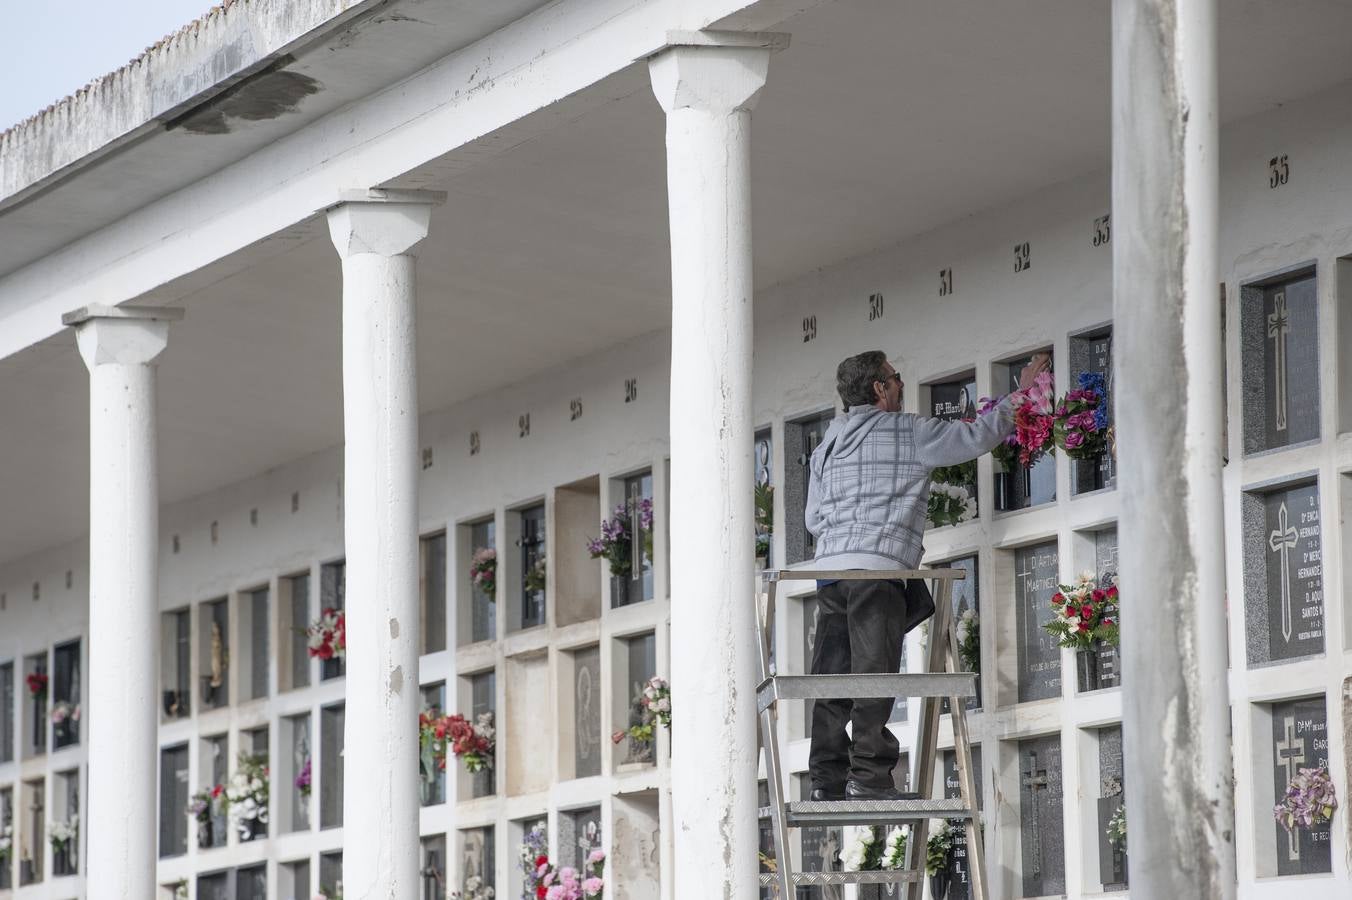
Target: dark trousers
x=860 y=627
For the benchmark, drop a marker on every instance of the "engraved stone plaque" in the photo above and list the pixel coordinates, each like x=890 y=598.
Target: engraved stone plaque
x=1039 y=657
x=1283 y=574
x=1300 y=741
x=1280 y=356
x=960 y=887
x=587 y=712
x=1041 y=824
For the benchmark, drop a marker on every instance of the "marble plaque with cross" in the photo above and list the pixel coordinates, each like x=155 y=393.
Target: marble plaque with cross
x=1039 y=656
x=1300 y=741
x=587 y=696
x=960 y=887
x=1283 y=574
x=1280 y=357
x=1041 y=818
x=579 y=835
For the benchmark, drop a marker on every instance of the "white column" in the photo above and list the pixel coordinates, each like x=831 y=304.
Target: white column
x=1168 y=357
x=708 y=84
x=119 y=345
x=375 y=232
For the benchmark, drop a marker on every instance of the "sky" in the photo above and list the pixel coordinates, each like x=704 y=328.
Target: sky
x=52 y=48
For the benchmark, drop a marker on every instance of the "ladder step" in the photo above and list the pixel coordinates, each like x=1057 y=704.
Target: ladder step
x=872 y=812
x=891 y=876
x=830 y=687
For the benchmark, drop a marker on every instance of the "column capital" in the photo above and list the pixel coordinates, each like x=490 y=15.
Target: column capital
x=121 y=335
x=384 y=221
x=713 y=71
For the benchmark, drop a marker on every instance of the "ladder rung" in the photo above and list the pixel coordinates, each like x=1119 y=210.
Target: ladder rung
x=890 y=876
x=829 y=687
x=872 y=812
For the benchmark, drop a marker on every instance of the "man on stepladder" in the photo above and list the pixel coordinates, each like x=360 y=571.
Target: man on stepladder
x=868 y=493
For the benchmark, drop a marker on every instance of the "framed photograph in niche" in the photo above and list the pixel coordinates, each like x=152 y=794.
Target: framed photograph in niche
x=1283 y=572
x=1279 y=361
x=953 y=399
x=1091 y=355
x=1017 y=486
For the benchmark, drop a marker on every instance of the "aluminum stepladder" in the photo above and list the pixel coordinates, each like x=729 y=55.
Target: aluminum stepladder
x=940 y=679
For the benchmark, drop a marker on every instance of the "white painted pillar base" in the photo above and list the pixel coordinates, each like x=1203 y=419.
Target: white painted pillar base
x=1168 y=357
x=119 y=345
x=375 y=232
x=708 y=92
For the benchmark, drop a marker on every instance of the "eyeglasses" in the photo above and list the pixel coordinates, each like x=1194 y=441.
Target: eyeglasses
x=886 y=378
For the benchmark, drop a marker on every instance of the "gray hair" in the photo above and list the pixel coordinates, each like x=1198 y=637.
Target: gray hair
x=856 y=375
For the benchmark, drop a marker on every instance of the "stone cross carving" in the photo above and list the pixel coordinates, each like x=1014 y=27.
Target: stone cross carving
x=1282 y=540
x=1035 y=779
x=1290 y=754
x=1279 y=327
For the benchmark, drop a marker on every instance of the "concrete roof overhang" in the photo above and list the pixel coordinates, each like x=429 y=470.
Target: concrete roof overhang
x=881 y=121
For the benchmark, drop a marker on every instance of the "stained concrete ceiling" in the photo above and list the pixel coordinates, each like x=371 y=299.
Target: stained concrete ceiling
x=882 y=120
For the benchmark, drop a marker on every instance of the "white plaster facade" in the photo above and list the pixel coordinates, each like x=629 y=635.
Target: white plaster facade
x=544 y=281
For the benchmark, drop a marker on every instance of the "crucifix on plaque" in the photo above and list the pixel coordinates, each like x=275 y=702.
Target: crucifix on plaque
x=1035 y=779
x=1278 y=327
x=1290 y=753
x=1282 y=541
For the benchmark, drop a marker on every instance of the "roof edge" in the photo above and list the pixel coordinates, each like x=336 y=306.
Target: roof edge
x=176 y=73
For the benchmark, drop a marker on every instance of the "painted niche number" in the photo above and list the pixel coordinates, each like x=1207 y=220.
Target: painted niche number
x=523 y=425
x=945 y=282
x=630 y=390
x=809 y=328
x=474 y=443
x=575 y=409
x=1023 y=257
x=1279 y=171
x=1102 y=230
x=875 y=307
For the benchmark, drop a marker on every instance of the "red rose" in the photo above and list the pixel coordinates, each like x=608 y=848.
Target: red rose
x=1098 y=595
x=1112 y=593
x=325 y=651
x=541 y=891
x=540 y=861
x=1107 y=621
x=1086 y=611
x=1058 y=598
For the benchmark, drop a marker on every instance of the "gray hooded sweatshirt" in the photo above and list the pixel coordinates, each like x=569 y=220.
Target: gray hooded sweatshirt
x=869 y=483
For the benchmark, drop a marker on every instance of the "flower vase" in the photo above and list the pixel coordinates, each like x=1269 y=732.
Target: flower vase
x=619 y=591
x=640 y=752
x=1087 y=665
x=1004 y=490
x=939 y=884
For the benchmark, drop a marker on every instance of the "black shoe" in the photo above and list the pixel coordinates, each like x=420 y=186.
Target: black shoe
x=856 y=791
x=820 y=795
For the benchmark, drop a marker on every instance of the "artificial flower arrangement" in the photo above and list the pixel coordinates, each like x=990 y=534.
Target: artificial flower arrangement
x=534 y=853
x=475 y=889
x=567 y=883
x=328 y=635
x=483 y=571
x=246 y=796
x=472 y=743
x=64 y=711
x=1034 y=420
x=60 y=834
x=37 y=684
x=939 y=848
x=206 y=804
x=535 y=576
x=1310 y=800
x=654 y=705
x=969 y=640
x=869 y=851
x=304 y=778
x=1117 y=829
x=6 y=842
x=1085 y=614
x=616 y=543
x=1081 y=419
x=950 y=504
